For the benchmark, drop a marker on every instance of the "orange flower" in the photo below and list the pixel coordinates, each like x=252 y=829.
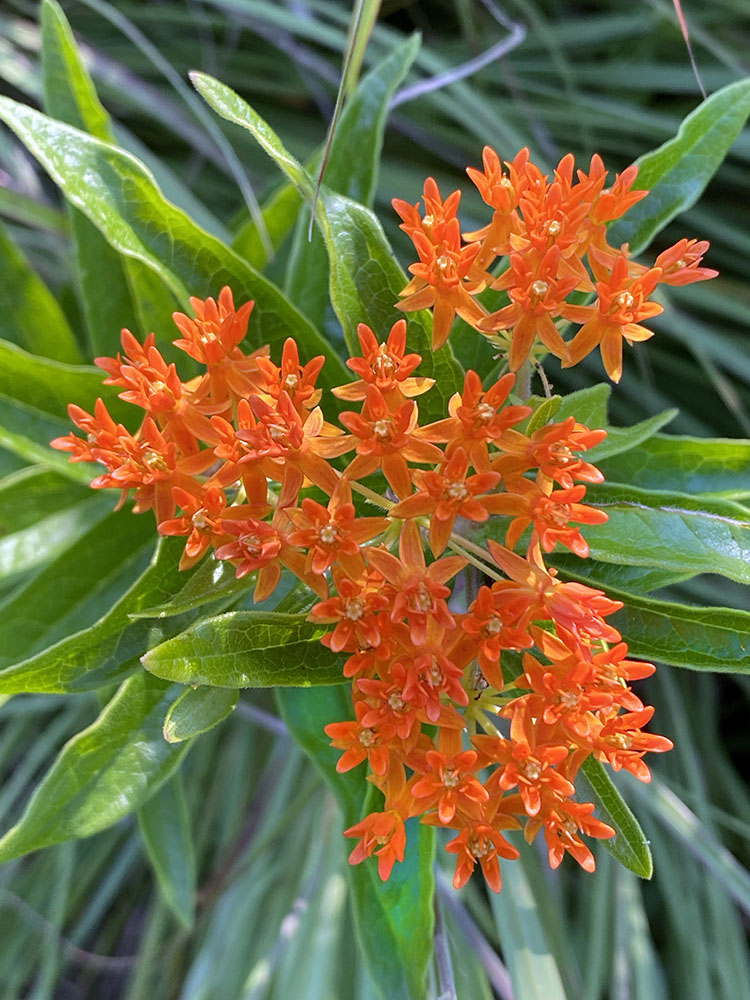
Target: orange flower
x=447 y=495
x=489 y=623
x=385 y=366
x=361 y=742
x=382 y=834
x=552 y=449
x=355 y=609
x=483 y=843
x=449 y=782
x=333 y=534
x=550 y=512
x=420 y=591
x=561 y=820
x=623 y=303
x=680 y=263
x=478 y=418
x=292 y=378
x=501 y=192
x=388 y=441
x=537 y=293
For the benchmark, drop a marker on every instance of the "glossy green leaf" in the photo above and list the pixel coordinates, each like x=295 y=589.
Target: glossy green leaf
x=121 y=197
x=526 y=951
x=545 y=411
x=633 y=579
x=394 y=920
x=365 y=278
x=211 y=581
x=248 y=649
x=671 y=531
x=165 y=829
x=103 y=773
x=279 y=214
x=683 y=636
x=197 y=710
x=70 y=97
x=109 y=649
x=676 y=173
x=710 y=466
x=629 y=845
x=29 y=314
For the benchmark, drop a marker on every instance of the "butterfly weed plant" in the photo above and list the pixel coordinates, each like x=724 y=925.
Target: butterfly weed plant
x=405 y=550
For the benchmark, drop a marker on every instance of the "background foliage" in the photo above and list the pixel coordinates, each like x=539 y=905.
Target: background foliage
x=231 y=881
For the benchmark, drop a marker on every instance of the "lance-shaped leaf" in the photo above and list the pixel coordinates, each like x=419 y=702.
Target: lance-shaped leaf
x=671 y=531
x=122 y=199
x=165 y=829
x=680 y=635
x=212 y=580
x=629 y=845
x=248 y=649
x=365 y=278
x=197 y=710
x=108 y=650
x=710 y=466
x=394 y=920
x=102 y=773
x=676 y=173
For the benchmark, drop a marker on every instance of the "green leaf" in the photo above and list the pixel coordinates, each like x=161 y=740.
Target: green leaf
x=121 y=197
x=108 y=650
x=526 y=951
x=710 y=466
x=365 y=278
x=29 y=314
x=165 y=829
x=545 y=411
x=629 y=845
x=677 y=173
x=70 y=96
x=197 y=710
x=212 y=580
x=671 y=531
x=248 y=649
x=589 y=407
x=633 y=579
x=394 y=920
x=102 y=773
x=682 y=636
x=280 y=213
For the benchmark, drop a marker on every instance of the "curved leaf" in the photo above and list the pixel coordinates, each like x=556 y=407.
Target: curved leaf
x=671 y=531
x=682 y=636
x=197 y=710
x=108 y=650
x=676 y=173
x=121 y=197
x=102 y=773
x=29 y=313
x=248 y=649
x=629 y=845
x=710 y=466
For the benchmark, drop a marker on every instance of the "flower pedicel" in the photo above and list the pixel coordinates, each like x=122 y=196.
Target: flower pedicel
x=476 y=716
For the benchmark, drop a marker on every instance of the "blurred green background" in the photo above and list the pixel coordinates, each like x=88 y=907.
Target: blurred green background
x=87 y=919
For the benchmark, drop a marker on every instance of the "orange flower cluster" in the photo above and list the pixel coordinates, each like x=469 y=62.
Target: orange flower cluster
x=552 y=238
x=474 y=709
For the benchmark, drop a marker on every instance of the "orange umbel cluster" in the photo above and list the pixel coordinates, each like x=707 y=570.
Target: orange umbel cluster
x=480 y=680
x=551 y=235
